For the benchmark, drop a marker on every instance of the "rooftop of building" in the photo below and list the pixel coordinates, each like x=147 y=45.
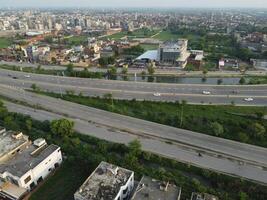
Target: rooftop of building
x=105 y=182
x=149 y=55
x=203 y=196
x=10 y=140
x=11 y=190
x=27 y=158
x=174 y=44
x=149 y=188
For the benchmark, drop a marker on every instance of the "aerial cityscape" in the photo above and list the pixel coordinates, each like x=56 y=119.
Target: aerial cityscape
x=133 y=100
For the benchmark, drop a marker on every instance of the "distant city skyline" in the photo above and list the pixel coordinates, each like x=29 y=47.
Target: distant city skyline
x=136 y=3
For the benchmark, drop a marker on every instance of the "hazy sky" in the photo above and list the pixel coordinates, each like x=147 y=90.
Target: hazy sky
x=135 y=3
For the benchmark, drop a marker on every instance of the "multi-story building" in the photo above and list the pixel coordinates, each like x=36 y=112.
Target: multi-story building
x=149 y=188
x=174 y=52
x=24 y=164
x=107 y=182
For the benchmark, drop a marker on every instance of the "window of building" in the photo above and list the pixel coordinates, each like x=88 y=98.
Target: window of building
x=27 y=180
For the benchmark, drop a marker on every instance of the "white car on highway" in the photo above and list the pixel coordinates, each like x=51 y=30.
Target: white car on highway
x=27 y=76
x=248 y=99
x=157 y=94
x=206 y=92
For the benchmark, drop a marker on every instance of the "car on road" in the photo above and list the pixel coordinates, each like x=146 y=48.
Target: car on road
x=206 y=92
x=248 y=99
x=157 y=94
x=14 y=77
x=27 y=76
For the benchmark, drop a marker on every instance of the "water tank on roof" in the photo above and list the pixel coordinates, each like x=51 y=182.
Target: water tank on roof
x=39 y=142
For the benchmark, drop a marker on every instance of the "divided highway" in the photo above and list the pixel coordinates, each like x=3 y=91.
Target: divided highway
x=221 y=155
x=223 y=94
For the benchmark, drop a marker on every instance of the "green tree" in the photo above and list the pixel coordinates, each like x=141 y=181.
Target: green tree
x=243 y=196
x=69 y=69
x=205 y=72
x=131 y=158
x=10 y=123
x=124 y=70
x=28 y=124
x=150 y=69
x=217 y=128
x=62 y=127
x=103 y=62
x=112 y=70
x=135 y=147
x=257 y=129
x=243 y=137
x=259 y=114
x=242 y=80
x=34 y=87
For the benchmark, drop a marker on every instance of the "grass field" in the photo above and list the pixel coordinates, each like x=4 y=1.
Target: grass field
x=63 y=184
x=139 y=33
x=5 y=42
x=76 y=40
x=166 y=35
x=147 y=47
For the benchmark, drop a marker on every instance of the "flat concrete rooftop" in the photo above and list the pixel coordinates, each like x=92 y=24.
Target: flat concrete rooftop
x=8 y=189
x=104 y=183
x=149 y=189
x=25 y=160
x=203 y=196
x=8 y=142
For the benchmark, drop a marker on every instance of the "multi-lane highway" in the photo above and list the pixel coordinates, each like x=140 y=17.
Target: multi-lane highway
x=218 y=154
x=128 y=90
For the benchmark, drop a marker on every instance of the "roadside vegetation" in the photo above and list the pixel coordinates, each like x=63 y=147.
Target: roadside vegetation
x=69 y=71
x=244 y=124
x=83 y=153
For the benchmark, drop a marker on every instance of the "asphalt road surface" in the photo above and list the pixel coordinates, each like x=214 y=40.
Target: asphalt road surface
x=141 y=91
x=222 y=155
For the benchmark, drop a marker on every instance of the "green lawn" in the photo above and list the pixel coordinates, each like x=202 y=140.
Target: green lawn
x=115 y=36
x=77 y=40
x=139 y=33
x=147 y=47
x=167 y=35
x=5 y=42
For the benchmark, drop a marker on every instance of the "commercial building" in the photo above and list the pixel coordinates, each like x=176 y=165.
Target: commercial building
x=169 y=53
x=149 y=188
x=24 y=164
x=203 y=196
x=174 y=52
x=107 y=182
